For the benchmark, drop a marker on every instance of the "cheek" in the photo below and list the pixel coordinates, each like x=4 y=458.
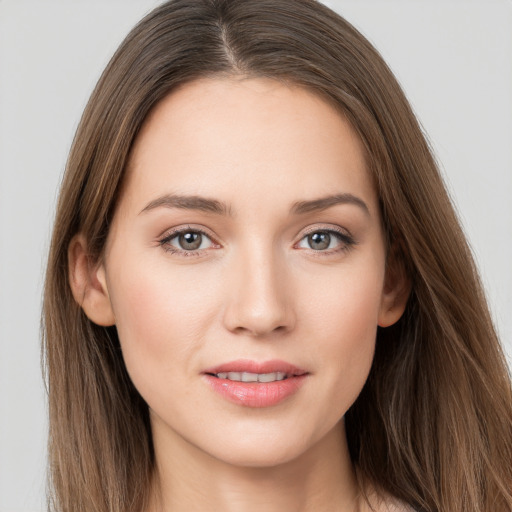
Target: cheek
x=345 y=319
x=161 y=318
x=346 y=302
x=351 y=335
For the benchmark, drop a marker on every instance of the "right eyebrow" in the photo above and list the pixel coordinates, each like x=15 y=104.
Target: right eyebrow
x=200 y=203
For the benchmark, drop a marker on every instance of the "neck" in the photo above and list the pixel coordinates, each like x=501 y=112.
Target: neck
x=320 y=480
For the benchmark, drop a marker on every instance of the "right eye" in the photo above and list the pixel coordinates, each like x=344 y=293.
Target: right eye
x=186 y=241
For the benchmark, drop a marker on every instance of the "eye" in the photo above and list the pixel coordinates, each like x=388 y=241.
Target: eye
x=325 y=240
x=186 y=241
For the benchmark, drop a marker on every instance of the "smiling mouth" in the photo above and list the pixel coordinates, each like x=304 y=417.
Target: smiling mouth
x=252 y=372
x=251 y=377
x=253 y=384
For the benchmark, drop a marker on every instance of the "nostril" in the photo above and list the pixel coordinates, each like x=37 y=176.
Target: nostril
x=260 y=330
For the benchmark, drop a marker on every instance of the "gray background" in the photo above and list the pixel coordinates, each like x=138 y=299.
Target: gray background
x=454 y=59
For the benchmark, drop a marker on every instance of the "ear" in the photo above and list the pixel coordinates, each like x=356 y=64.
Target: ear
x=88 y=283
x=396 y=291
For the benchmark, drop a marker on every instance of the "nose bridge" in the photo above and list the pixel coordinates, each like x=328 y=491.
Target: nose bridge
x=259 y=298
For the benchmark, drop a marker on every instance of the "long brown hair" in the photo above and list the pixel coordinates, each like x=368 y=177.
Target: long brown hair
x=433 y=424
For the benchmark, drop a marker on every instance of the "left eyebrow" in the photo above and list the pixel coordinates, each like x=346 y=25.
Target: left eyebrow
x=323 y=203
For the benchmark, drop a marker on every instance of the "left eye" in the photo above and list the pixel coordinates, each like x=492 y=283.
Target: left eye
x=321 y=241
x=188 y=241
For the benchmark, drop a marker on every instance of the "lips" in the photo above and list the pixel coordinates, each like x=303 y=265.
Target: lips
x=255 y=384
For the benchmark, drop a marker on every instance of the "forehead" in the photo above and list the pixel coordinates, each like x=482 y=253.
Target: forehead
x=229 y=137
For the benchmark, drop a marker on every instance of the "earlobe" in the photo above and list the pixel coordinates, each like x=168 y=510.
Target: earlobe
x=396 y=291
x=88 y=283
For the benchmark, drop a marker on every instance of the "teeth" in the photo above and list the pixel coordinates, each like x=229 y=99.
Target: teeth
x=249 y=377
x=252 y=377
x=270 y=377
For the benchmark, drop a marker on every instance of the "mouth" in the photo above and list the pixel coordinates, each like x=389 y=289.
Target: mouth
x=254 y=384
x=244 y=370
x=251 y=377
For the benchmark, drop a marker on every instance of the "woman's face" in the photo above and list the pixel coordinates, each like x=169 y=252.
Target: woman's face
x=247 y=239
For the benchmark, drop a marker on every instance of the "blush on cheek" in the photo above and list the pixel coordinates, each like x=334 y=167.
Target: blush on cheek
x=349 y=327
x=159 y=314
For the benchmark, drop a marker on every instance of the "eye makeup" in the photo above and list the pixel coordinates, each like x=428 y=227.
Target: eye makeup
x=326 y=240
x=189 y=241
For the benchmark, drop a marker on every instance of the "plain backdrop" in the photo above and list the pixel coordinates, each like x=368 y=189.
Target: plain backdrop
x=453 y=58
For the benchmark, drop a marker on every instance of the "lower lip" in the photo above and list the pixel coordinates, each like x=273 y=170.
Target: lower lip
x=256 y=394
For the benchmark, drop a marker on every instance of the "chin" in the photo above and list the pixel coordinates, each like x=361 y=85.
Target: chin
x=256 y=458
x=263 y=451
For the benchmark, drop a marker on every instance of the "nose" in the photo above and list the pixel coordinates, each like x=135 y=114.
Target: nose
x=260 y=300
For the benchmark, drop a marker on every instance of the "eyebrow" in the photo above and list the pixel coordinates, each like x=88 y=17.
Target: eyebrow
x=199 y=203
x=208 y=205
x=323 y=203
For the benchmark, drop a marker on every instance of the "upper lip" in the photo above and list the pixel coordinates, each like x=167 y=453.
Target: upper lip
x=248 y=366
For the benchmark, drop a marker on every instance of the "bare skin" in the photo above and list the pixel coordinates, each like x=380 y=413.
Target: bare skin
x=314 y=481
x=289 y=265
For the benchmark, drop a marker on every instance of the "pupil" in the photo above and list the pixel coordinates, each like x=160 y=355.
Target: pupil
x=319 y=241
x=190 y=241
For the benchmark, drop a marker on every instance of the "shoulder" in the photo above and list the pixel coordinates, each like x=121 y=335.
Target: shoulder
x=388 y=504
x=397 y=506
x=381 y=501
x=392 y=506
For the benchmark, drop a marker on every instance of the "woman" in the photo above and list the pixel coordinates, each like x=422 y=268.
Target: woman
x=258 y=294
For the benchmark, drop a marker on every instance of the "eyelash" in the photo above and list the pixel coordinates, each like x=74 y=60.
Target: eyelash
x=167 y=247
x=347 y=241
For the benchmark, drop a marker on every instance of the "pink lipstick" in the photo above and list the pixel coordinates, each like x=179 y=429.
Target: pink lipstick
x=254 y=384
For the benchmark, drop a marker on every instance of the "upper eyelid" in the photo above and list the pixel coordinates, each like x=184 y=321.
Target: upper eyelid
x=172 y=232
x=331 y=228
